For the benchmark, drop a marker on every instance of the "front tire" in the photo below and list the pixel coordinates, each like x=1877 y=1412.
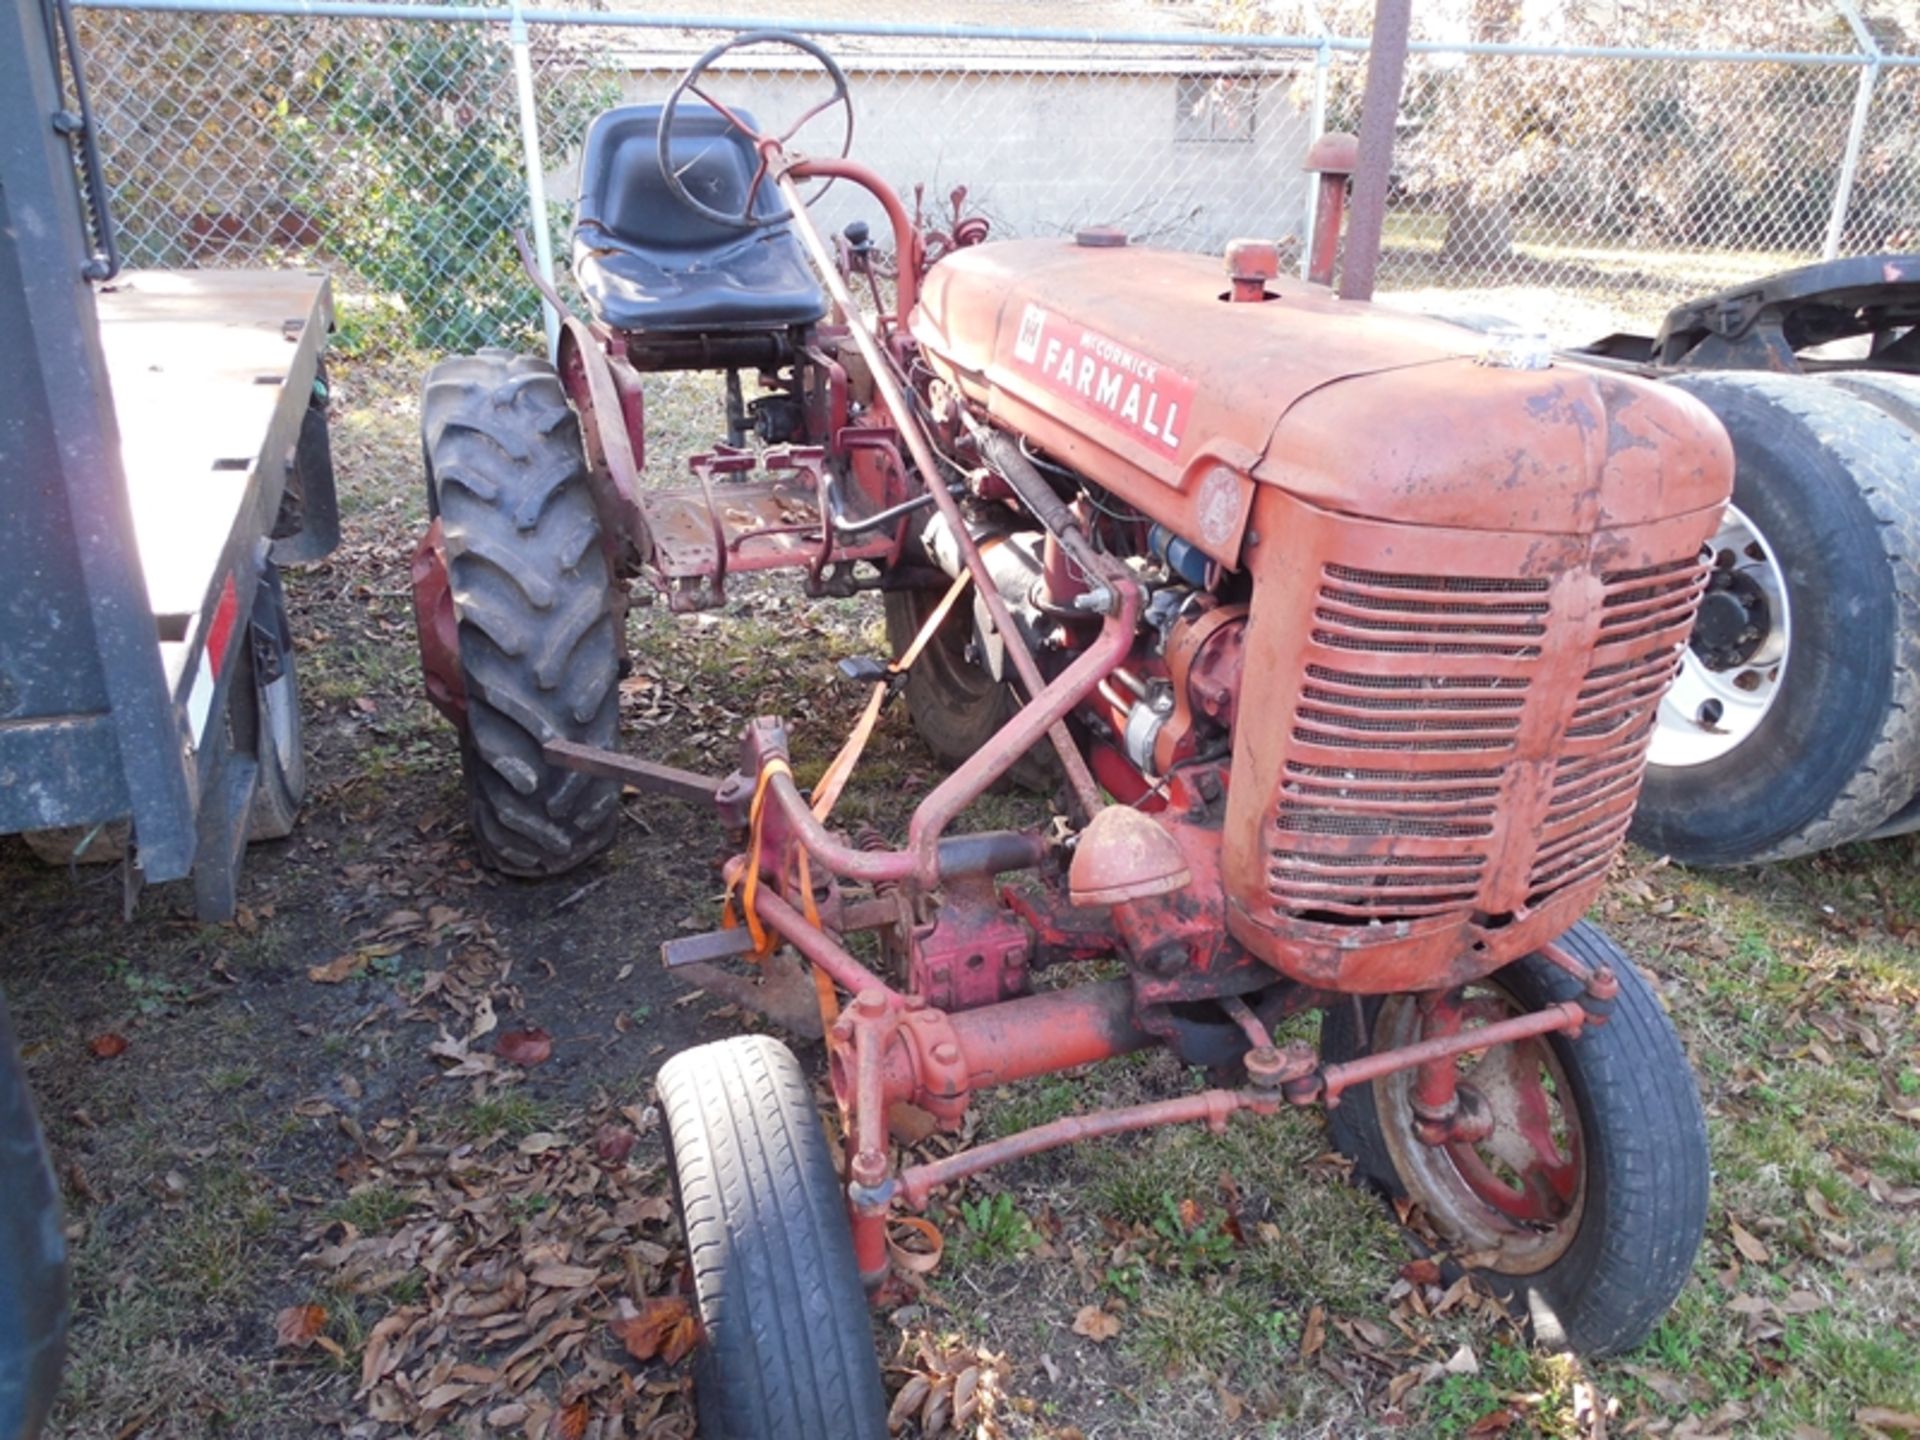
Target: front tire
x=537 y=612
x=1820 y=742
x=1585 y=1207
x=786 y=1347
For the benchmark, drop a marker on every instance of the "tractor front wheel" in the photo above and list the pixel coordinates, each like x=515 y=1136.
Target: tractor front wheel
x=786 y=1343
x=1585 y=1205
x=538 y=616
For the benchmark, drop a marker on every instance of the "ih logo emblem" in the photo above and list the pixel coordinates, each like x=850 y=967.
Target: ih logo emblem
x=1032 y=325
x=1114 y=383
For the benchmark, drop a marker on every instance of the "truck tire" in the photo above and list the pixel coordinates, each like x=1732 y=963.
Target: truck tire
x=1794 y=724
x=1624 y=1200
x=535 y=605
x=786 y=1348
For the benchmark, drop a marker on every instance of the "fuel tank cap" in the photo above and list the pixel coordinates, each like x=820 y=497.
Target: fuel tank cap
x=1101 y=237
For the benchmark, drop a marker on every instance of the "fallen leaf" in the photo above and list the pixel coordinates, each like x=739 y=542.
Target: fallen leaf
x=484 y=1019
x=1314 y=1333
x=1421 y=1272
x=382 y=1354
x=108 y=1045
x=338 y=968
x=564 y=1277
x=912 y=1396
x=613 y=1143
x=1749 y=1244
x=1821 y=1206
x=1905 y=1421
x=1670 y=1388
x=664 y=1327
x=540 y=1142
x=1493 y=1424
x=1463 y=1362
x=1096 y=1324
x=528 y=1047
x=569 y=1421
x=295 y=1327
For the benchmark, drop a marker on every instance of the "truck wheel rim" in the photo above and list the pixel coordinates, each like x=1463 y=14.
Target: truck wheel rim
x=1513 y=1201
x=1718 y=700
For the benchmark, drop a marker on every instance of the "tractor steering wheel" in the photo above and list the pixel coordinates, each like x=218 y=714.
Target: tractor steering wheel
x=745 y=219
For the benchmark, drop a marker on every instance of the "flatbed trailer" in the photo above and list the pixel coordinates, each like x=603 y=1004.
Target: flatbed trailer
x=163 y=449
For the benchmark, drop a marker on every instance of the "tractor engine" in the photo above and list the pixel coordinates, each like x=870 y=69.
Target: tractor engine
x=1413 y=599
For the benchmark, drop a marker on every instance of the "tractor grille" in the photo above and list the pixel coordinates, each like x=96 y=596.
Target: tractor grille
x=1401 y=796
x=1645 y=618
x=1410 y=708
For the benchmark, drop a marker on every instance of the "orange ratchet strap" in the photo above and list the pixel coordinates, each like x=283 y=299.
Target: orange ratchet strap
x=825 y=796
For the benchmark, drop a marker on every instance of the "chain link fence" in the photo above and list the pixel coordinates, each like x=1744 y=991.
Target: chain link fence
x=1568 y=189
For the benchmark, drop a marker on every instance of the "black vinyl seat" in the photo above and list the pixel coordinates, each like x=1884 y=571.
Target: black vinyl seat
x=645 y=262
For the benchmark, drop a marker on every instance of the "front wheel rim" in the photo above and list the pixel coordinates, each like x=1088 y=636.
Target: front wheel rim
x=1512 y=1202
x=1712 y=709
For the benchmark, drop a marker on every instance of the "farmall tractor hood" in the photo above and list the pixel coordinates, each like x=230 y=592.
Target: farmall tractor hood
x=1132 y=366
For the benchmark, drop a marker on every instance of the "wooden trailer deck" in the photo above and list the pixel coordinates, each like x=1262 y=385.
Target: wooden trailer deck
x=211 y=372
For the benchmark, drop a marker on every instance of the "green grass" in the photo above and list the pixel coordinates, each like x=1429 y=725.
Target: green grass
x=992 y=1231
x=514 y=1116
x=373 y=1208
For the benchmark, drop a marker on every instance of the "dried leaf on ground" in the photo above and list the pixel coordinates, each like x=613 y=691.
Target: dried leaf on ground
x=613 y=1143
x=108 y=1045
x=1313 y=1334
x=564 y=1277
x=1749 y=1244
x=1881 y=1418
x=295 y=1327
x=664 y=1327
x=338 y=968
x=1097 y=1324
x=526 y=1048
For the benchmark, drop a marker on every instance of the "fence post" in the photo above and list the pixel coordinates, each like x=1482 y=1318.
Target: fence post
x=536 y=175
x=1856 y=130
x=1316 y=127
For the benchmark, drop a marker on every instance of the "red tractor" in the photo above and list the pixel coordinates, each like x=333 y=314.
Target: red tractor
x=1341 y=635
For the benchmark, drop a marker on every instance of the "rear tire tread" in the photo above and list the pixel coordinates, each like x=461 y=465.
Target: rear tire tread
x=539 y=651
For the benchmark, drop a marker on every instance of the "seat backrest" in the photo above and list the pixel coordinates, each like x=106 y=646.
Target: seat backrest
x=624 y=196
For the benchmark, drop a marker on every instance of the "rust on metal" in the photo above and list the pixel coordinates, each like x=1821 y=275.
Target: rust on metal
x=1333 y=157
x=1212 y=1108
x=1333 y=1081
x=437 y=627
x=1125 y=855
x=641 y=774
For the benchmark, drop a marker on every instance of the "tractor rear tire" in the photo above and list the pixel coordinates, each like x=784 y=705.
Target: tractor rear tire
x=1597 y=1278
x=534 y=599
x=786 y=1349
x=954 y=702
x=1828 y=482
